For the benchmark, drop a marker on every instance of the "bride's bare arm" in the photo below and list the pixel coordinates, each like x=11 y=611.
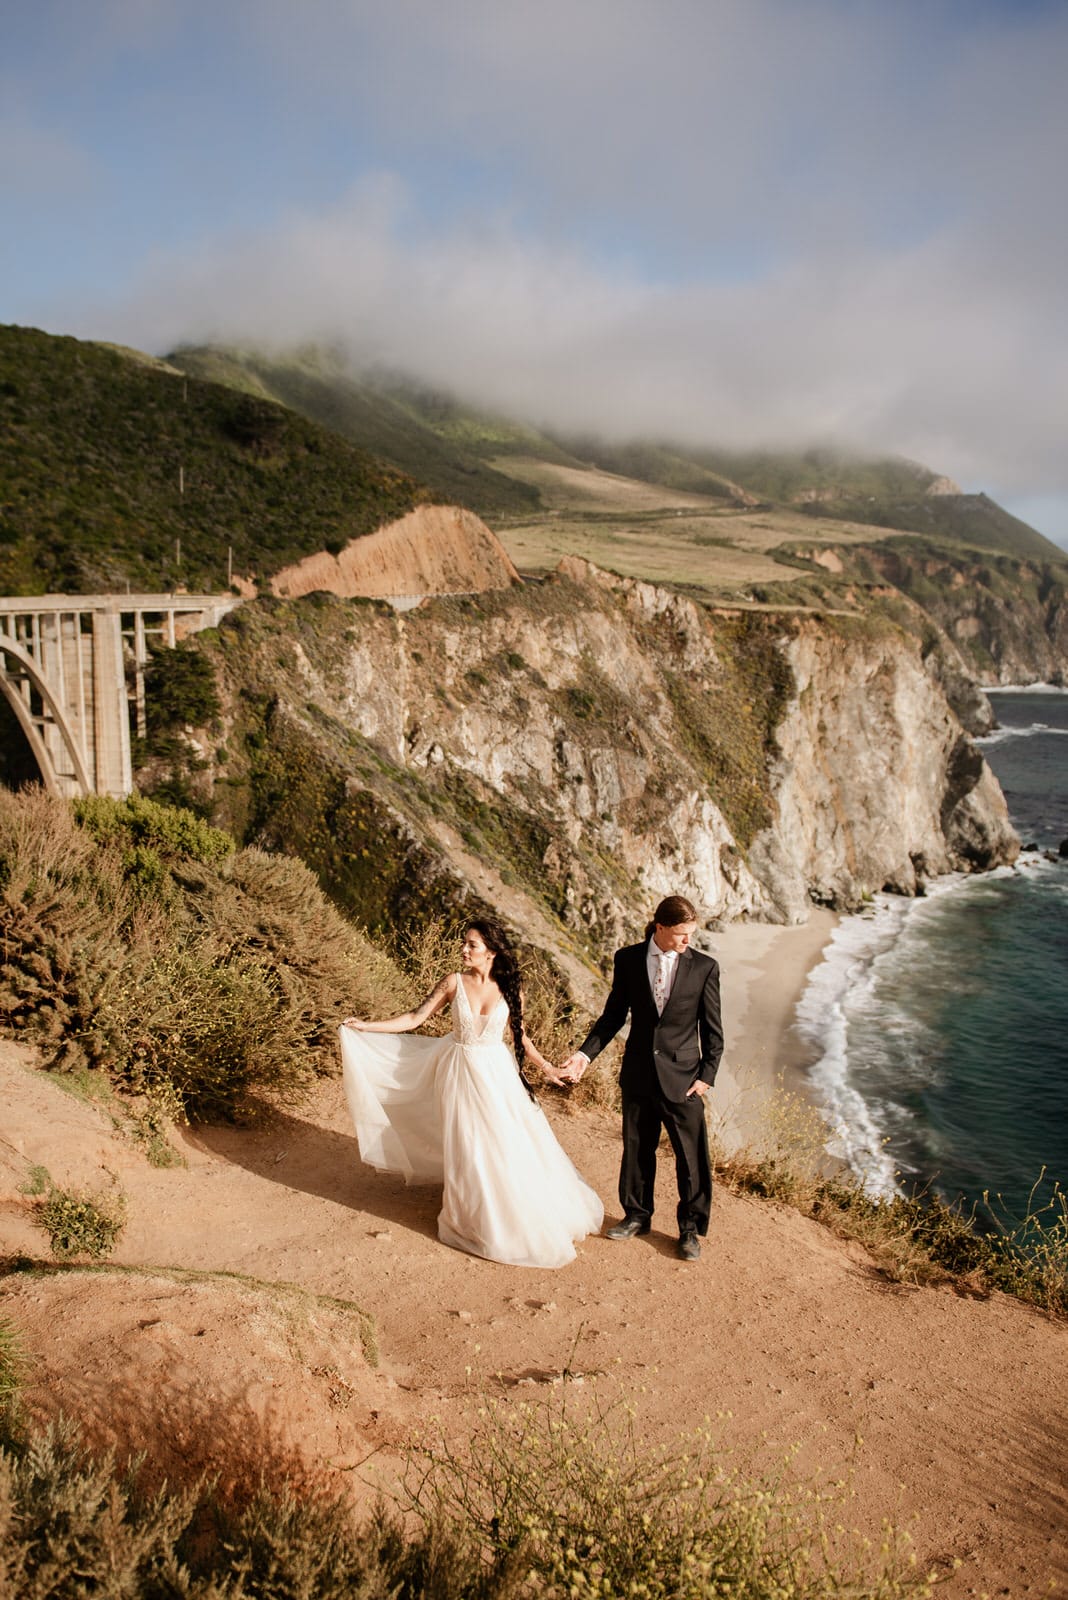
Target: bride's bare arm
x=535 y=1055
x=409 y=1019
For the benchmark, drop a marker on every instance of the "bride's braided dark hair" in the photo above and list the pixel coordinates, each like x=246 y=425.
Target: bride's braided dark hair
x=504 y=970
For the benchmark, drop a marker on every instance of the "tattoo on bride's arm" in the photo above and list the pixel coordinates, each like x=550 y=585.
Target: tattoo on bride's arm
x=434 y=1001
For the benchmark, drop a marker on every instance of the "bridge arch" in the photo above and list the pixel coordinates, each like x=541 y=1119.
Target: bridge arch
x=29 y=724
x=72 y=670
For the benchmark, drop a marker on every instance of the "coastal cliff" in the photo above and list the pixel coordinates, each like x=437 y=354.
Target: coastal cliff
x=998 y=619
x=876 y=783
x=572 y=749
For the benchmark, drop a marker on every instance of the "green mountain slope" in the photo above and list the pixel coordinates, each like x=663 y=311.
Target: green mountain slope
x=412 y=429
x=883 y=493
x=486 y=434
x=790 y=477
x=115 y=468
x=972 y=520
x=450 y=446
x=670 y=466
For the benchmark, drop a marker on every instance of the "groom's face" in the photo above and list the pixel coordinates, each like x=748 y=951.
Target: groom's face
x=674 y=938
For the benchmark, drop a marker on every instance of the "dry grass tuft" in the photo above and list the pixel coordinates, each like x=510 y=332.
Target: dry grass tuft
x=543 y=1503
x=912 y=1238
x=565 y=1500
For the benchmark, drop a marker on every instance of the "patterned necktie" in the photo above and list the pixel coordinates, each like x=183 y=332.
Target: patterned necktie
x=660 y=982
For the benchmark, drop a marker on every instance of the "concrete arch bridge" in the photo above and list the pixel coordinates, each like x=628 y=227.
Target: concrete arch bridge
x=72 y=669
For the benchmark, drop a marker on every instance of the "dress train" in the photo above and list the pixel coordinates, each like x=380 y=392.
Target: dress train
x=454 y=1111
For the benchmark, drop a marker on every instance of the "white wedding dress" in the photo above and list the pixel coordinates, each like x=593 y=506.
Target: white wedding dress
x=454 y=1110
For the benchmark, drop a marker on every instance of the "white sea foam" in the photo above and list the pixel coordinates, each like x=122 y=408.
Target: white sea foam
x=843 y=996
x=999 y=735
x=1027 y=688
x=822 y=1021
x=1037 y=861
x=862 y=1012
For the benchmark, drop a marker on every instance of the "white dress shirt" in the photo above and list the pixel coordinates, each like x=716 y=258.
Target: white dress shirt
x=654 y=955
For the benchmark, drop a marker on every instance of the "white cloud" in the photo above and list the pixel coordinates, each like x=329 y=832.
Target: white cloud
x=883 y=352
x=745 y=221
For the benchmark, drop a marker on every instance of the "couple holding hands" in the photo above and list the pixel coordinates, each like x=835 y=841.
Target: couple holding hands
x=456 y=1111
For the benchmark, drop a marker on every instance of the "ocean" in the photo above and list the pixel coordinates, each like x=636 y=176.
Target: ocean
x=937 y=1028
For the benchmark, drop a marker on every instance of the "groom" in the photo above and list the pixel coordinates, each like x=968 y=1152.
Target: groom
x=669 y=1065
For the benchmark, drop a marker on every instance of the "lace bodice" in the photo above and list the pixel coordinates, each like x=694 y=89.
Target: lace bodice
x=471 y=1030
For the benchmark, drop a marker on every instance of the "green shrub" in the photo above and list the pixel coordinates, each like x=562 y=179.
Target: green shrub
x=221 y=986
x=137 y=823
x=81 y=1224
x=179 y=689
x=213 y=1030
x=540 y=1505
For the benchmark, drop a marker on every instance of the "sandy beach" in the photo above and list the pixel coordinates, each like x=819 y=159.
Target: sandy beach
x=763 y=971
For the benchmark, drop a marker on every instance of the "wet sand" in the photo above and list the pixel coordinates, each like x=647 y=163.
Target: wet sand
x=763 y=973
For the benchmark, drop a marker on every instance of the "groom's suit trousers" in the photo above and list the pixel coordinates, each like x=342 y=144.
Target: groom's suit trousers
x=643 y=1118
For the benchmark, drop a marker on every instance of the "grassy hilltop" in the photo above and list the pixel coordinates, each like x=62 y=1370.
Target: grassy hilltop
x=418 y=432
x=119 y=468
x=108 y=459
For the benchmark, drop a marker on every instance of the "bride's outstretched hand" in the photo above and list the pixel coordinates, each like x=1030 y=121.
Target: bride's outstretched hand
x=354 y=1022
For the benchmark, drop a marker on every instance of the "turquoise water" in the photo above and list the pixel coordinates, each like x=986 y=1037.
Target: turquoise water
x=940 y=1025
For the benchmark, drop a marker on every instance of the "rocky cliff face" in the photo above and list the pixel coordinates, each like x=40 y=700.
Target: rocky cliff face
x=571 y=750
x=876 y=783
x=999 y=620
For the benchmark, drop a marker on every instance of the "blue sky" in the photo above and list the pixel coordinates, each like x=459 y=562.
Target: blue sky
x=737 y=221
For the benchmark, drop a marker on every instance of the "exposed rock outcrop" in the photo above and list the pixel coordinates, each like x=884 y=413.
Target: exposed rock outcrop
x=1005 y=620
x=433 y=550
x=969 y=704
x=593 y=743
x=877 y=785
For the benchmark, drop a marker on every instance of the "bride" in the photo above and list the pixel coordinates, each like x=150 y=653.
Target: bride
x=459 y=1111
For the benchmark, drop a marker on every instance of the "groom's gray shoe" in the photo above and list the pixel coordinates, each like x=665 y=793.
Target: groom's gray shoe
x=689 y=1246
x=629 y=1228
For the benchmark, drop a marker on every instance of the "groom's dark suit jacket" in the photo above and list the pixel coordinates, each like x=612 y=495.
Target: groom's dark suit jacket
x=674 y=1048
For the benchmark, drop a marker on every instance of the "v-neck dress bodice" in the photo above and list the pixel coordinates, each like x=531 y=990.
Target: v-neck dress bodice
x=454 y=1111
x=470 y=1029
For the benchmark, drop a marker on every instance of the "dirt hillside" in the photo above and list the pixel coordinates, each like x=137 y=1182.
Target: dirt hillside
x=945 y=1413
x=433 y=550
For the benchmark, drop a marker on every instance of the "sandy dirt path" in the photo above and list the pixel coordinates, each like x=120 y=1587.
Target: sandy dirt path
x=946 y=1413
